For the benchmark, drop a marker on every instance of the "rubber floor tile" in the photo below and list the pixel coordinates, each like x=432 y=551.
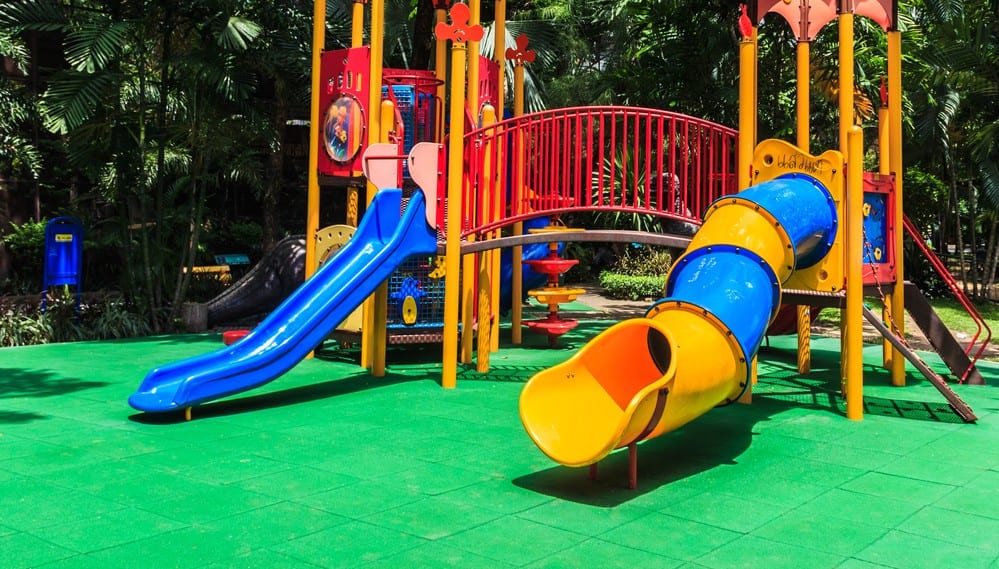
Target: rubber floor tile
x=108 y=530
x=860 y=508
x=909 y=551
x=361 y=499
x=215 y=503
x=845 y=455
x=350 y=545
x=687 y=539
x=437 y=555
x=584 y=518
x=954 y=527
x=295 y=481
x=434 y=479
x=898 y=488
x=599 y=553
x=261 y=559
x=913 y=466
x=26 y=550
x=276 y=524
x=514 y=541
x=725 y=511
x=821 y=533
x=432 y=518
x=26 y=513
x=194 y=545
x=751 y=553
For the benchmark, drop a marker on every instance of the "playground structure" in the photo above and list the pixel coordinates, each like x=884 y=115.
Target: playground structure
x=691 y=352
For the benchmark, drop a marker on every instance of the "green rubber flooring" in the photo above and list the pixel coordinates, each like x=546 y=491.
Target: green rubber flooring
x=327 y=467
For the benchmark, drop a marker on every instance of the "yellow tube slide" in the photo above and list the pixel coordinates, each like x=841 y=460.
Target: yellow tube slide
x=625 y=386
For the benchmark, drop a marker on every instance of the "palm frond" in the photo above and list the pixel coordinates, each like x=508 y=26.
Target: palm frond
x=92 y=46
x=238 y=33
x=32 y=15
x=73 y=97
x=21 y=154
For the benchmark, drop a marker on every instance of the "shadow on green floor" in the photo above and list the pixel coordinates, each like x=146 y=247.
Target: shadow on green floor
x=712 y=441
x=18 y=417
x=281 y=398
x=820 y=389
x=15 y=382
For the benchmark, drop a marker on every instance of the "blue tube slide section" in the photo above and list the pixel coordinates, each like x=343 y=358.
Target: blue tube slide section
x=380 y=244
x=736 y=284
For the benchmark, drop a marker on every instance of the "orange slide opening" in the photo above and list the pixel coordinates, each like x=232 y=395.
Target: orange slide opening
x=582 y=409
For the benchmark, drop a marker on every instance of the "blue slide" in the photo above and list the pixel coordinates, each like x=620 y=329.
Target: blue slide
x=380 y=244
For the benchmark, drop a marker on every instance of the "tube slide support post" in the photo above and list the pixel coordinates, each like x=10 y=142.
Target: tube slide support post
x=804 y=314
x=747 y=109
x=846 y=80
x=853 y=380
x=896 y=167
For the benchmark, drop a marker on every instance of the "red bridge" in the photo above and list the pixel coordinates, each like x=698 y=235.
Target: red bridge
x=612 y=159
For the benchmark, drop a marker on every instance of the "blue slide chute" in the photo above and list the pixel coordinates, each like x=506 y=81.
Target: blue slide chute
x=380 y=244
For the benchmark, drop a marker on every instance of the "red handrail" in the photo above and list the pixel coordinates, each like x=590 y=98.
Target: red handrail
x=956 y=290
x=613 y=159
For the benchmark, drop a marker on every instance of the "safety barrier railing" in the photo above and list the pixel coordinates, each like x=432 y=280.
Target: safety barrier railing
x=615 y=159
x=983 y=331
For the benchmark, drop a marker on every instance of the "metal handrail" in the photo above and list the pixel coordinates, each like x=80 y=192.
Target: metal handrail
x=958 y=293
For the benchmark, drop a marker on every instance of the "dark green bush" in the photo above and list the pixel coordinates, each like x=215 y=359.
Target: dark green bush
x=113 y=317
x=631 y=287
x=25 y=243
x=644 y=261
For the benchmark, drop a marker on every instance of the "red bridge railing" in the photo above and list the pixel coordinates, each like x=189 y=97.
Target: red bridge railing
x=621 y=159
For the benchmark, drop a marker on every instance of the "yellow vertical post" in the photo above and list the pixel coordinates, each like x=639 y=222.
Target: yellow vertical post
x=455 y=167
x=312 y=199
x=804 y=319
x=845 y=79
x=895 y=165
x=369 y=336
x=357 y=24
x=499 y=56
x=440 y=64
x=517 y=254
x=470 y=262
x=356 y=40
x=485 y=261
x=747 y=102
x=884 y=169
x=845 y=123
x=853 y=380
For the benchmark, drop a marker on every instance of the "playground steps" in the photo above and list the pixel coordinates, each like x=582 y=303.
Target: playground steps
x=962 y=409
x=940 y=337
x=838 y=300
